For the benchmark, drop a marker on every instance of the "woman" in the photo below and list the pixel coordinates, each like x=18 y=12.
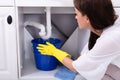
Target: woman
x=103 y=47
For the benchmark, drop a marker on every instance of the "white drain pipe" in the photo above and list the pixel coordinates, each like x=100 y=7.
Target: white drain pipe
x=44 y=34
x=48 y=20
x=38 y=26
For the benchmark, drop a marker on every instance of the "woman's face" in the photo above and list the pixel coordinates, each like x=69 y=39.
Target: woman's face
x=82 y=20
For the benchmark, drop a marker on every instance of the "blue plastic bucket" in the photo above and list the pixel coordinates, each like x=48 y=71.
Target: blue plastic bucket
x=45 y=62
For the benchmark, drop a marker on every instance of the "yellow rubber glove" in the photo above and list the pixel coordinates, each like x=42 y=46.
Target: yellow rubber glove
x=50 y=49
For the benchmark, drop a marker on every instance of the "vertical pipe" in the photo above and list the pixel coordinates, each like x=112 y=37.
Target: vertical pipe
x=48 y=22
x=48 y=17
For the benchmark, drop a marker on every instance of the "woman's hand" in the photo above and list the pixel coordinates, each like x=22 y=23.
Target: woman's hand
x=50 y=49
x=47 y=49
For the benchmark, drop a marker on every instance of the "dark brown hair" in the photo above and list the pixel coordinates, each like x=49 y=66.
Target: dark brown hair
x=100 y=13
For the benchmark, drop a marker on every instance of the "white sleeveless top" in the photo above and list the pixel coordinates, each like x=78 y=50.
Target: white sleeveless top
x=92 y=64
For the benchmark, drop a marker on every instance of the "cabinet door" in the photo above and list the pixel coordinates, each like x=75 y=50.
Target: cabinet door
x=6 y=3
x=8 y=58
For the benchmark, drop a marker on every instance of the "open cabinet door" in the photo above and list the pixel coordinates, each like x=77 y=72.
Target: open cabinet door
x=8 y=53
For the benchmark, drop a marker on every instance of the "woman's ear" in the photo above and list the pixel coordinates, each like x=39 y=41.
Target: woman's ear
x=87 y=20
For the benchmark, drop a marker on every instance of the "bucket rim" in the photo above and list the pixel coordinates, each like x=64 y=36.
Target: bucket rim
x=51 y=40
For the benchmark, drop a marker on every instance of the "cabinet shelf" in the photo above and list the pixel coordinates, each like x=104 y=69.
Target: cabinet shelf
x=29 y=71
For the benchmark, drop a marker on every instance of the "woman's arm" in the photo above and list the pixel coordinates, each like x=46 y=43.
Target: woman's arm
x=68 y=63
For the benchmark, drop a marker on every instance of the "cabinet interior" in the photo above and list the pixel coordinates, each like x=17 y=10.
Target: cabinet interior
x=64 y=27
